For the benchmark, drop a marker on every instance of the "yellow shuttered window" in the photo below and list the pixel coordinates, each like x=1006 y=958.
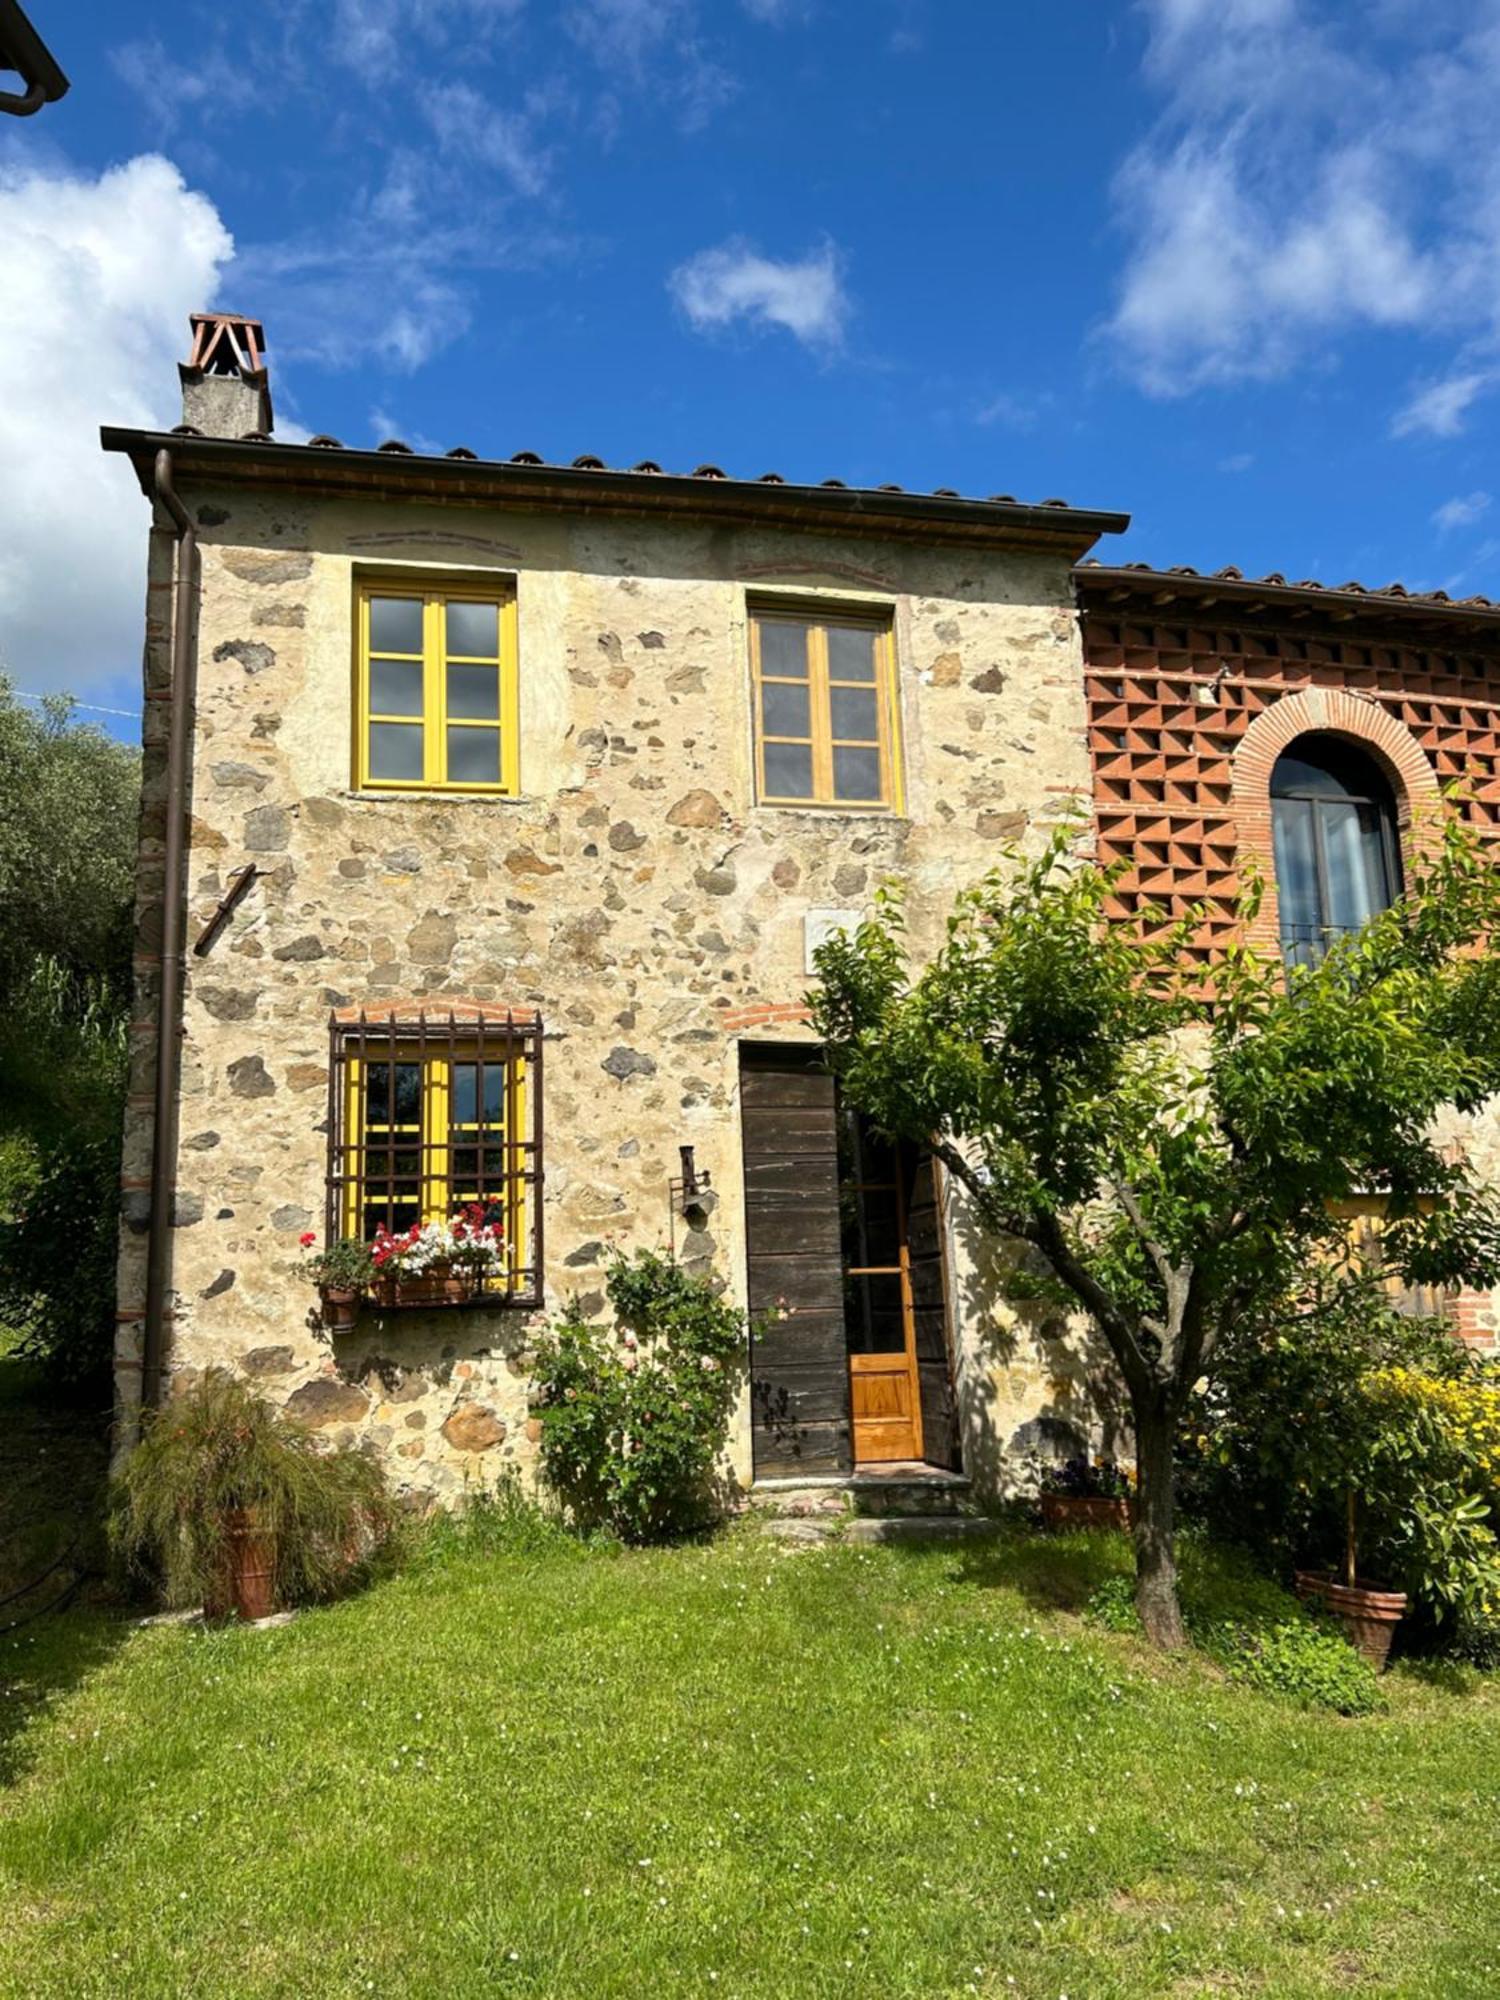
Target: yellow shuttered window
x=825 y=710
x=435 y=689
x=430 y=1115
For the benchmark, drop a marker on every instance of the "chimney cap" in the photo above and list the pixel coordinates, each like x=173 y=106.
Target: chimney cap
x=226 y=343
x=229 y=349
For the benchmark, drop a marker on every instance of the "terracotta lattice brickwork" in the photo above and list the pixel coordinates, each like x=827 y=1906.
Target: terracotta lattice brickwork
x=1171 y=706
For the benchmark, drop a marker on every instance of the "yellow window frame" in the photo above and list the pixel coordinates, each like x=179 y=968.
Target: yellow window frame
x=436 y=1196
x=820 y=684
x=434 y=658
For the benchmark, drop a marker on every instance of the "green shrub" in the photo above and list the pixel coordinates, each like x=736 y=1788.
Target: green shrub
x=220 y=1448
x=1255 y=1631
x=635 y=1416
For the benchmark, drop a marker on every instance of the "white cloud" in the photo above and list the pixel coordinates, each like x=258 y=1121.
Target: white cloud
x=1312 y=174
x=1461 y=511
x=734 y=282
x=1440 y=408
x=172 y=89
x=379 y=39
x=100 y=276
x=469 y=127
x=652 y=46
x=1237 y=461
x=1013 y=413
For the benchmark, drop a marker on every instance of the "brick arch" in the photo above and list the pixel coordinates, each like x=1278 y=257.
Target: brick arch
x=1327 y=712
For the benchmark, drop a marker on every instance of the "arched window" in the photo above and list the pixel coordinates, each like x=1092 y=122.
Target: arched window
x=1338 y=860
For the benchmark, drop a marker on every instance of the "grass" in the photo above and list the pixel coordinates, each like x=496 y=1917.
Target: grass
x=531 y=1768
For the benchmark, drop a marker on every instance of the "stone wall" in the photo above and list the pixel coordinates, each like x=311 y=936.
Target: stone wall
x=634 y=894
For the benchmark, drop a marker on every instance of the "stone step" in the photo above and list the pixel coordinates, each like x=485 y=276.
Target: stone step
x=863 y=1530
x=925 y=1490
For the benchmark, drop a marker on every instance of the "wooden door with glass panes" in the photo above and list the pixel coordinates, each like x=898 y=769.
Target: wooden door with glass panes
x=879 y=1323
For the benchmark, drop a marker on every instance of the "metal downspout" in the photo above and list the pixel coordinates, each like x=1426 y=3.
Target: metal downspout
x=169 y=997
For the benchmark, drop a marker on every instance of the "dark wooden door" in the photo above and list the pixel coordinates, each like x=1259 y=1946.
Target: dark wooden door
x=799 y=1370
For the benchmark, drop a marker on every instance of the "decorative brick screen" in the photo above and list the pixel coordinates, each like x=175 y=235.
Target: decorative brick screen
x=1172 y=702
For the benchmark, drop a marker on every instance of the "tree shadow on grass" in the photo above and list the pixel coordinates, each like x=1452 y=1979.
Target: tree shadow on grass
x=42 y=1663
x=1050 y=1572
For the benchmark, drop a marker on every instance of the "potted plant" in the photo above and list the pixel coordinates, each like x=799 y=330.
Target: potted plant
x=1084 y=1492
x=478 y=1248
x=414 y=1266
x=226 y=1503
x=1368 y=1614
x=341 y=1273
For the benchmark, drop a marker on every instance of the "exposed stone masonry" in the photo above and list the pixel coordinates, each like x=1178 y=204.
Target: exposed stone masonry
x=634 y=895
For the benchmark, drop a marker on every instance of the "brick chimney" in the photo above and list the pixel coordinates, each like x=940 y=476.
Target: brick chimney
x=226 y=392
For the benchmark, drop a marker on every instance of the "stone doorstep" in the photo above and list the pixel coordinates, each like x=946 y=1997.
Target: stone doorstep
x=865 y=1530
x=928 y=1491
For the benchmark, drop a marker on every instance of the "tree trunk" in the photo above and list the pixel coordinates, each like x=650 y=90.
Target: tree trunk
x=1155 y=1512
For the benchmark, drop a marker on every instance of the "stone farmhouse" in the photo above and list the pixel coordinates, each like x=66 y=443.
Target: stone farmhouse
x=493 y=810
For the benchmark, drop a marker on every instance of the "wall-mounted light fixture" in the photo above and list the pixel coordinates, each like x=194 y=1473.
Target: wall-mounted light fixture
x=690 y=1194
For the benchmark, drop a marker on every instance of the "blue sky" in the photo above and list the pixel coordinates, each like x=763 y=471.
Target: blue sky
x=1232 y=265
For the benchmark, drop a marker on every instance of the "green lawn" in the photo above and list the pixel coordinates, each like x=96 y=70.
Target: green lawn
x=729 y=1770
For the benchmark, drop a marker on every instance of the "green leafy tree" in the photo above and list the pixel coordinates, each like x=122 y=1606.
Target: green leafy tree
x=1170 y=1156
x=67 y=853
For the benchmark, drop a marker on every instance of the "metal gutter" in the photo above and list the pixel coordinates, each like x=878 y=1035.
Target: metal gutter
x=173 y=915
x=1052 y=525
x=23 y=50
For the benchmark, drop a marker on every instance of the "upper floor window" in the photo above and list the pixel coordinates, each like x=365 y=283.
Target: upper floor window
x=825 y=726
x=1338 y=857
x=436 y=702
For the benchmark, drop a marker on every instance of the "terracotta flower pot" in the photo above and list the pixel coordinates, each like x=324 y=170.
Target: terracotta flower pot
x=1369 y=1616
x=340 y=1305
x=1076 y=1510
x=247 y=1585
x=458 y=1285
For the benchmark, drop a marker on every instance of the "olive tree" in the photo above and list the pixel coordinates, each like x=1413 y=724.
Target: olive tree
x=1170 y=1153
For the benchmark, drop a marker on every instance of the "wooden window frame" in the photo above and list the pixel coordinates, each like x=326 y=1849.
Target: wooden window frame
x=816 y=619
x=436 y=1042
x=434 y=593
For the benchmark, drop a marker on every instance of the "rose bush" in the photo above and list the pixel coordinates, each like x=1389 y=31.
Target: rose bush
x=635 y=1413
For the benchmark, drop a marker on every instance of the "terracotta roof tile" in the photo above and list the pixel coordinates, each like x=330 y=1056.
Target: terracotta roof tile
x=1274 y=580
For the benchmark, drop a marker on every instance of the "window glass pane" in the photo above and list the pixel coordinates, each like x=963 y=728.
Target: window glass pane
x=856 y=774
x=395 y=624
x=473 y=756
x=784 y=708
x=851 y=653
x=396 y=750
x=789 y=770
x=853 y=712
x=474 y=691
x=395 y=687
x=783 y=650
x=465 y=1100
x=1356 y=865
x=873 y=1322
x=405 y=1081
x=474 y=628
x=1297 y=891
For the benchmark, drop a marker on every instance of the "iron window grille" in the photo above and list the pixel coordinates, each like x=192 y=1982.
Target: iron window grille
x=430 y=1113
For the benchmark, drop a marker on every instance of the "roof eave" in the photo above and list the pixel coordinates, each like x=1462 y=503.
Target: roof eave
x=1066 y=531
x=1102 y=588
